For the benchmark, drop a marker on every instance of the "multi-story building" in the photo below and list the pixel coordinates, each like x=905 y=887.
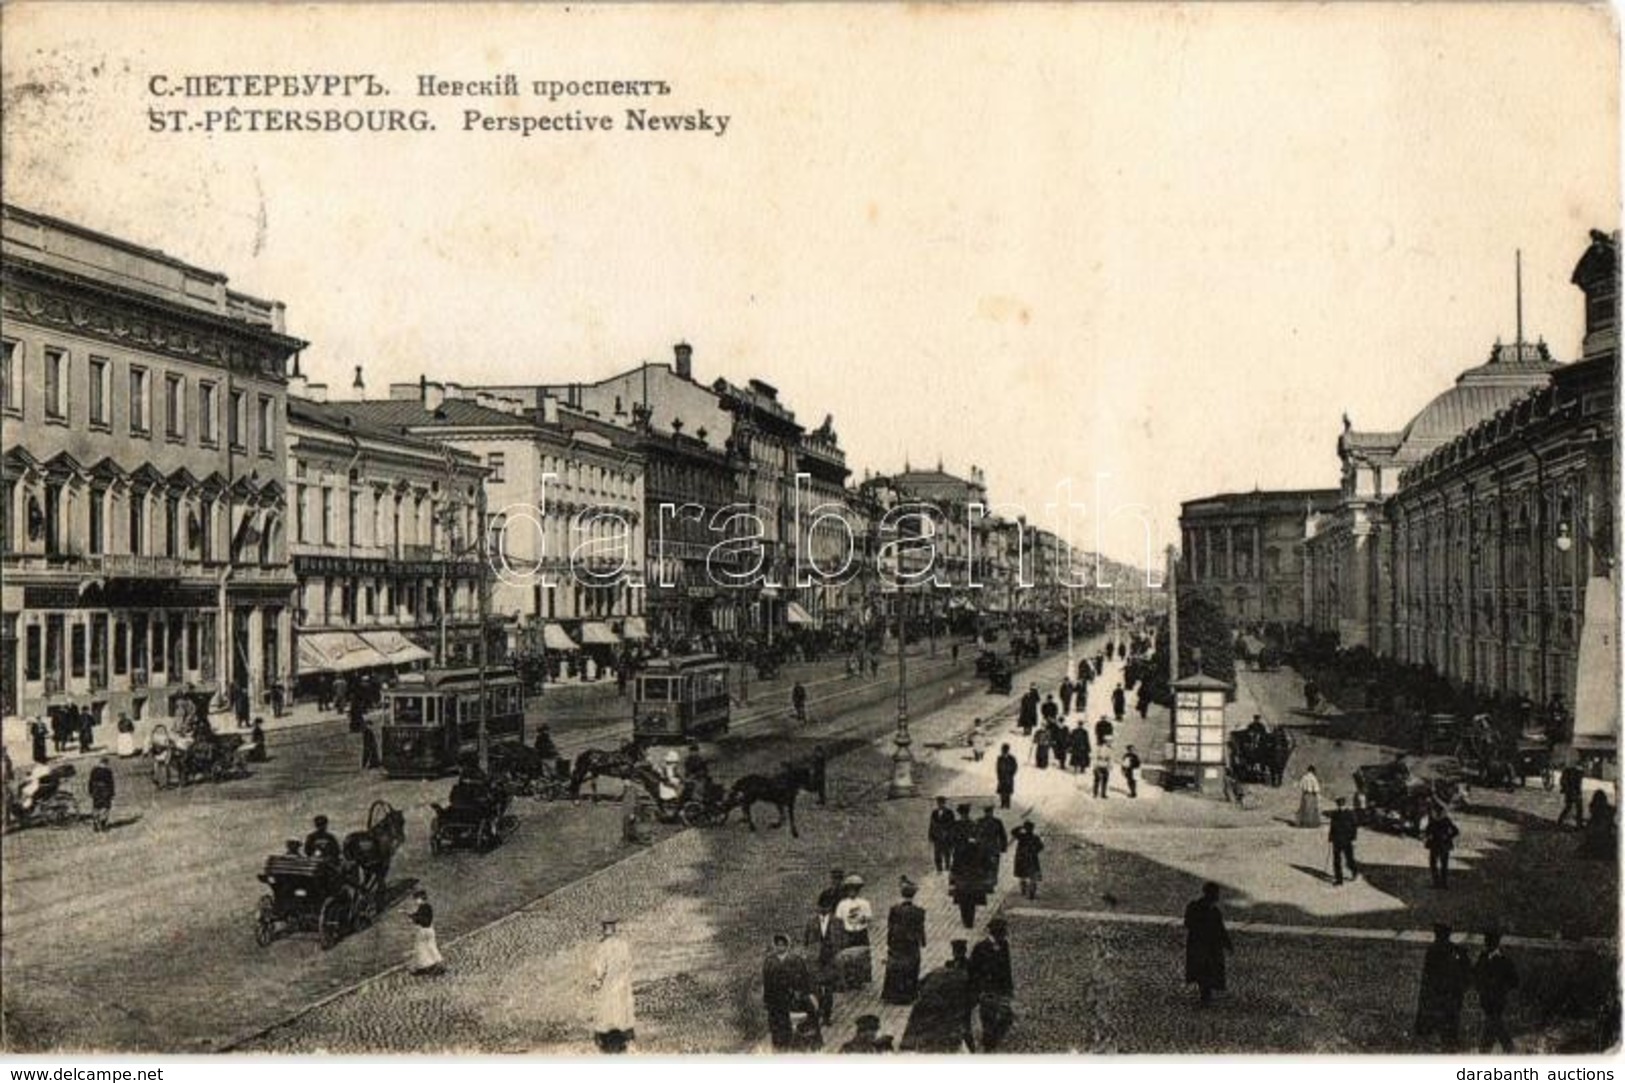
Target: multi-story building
x=384 y=536
x=565 y=506
x=144 y=532
x=1245 y=550
x=829 y=545
x=763 y=444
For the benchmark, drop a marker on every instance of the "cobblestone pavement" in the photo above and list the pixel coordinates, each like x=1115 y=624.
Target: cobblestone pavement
x=126 y=940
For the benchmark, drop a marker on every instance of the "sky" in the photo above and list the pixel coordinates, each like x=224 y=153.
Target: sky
x=1154 y=251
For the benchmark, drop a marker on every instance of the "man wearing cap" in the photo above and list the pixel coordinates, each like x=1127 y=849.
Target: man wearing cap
x=905 y=940
x=967 y=877
x=992 y=984
x=786 y=987
x=614 y=1024
x=821 y=947
x=1005 y=769
x=1446 y=973
x=1342 y=832
x=854 y=913
x=941 y=834
x=941 y=1019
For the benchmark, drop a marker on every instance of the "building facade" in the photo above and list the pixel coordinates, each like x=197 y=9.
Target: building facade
x=143 y=405
x=829 y=546
x=384 y=533
x=763 y=444
x=1246 y=550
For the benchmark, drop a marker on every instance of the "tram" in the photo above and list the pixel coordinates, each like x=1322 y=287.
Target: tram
x=680 y=698
x=434 y=719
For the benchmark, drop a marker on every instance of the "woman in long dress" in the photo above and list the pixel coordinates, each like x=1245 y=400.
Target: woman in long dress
x=426 y=958
x=126 y=736
x=854 y=915
x=614 y=1023
x=1309 y=798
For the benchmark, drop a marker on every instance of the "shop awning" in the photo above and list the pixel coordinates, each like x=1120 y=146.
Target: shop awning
x=555 y=638
x=336 y=652
x=634 y=628
x=597 y=633
x=396 y=648
x=1596 y=693
x=795 y=614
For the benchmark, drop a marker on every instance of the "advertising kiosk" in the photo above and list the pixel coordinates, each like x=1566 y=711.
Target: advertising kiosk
x=1195 y=753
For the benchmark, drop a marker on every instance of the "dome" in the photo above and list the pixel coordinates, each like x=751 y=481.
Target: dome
x=1511 y=373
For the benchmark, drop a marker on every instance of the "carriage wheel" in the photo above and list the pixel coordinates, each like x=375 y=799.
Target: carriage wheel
x=365 y=911
x=64 y=811
x=330 y=924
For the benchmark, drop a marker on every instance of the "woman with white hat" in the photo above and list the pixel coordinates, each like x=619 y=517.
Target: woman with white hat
x=614 y=1022
x=854 y=914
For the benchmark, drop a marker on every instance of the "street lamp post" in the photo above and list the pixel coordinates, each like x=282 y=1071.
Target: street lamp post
x=902 y=779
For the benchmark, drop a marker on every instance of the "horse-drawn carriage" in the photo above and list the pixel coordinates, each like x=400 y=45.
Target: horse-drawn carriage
x=207 y=755
x=331 y=895
x=1001 y=676
x=699 y=801
x=1390 y=797
x=47 y=803
x=1259 y=754
x=475 y=816
x=527 y=773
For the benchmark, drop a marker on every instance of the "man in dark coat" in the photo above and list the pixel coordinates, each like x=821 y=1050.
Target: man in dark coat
x=820 y=945
x=798 y=701
x=1131 y=771
x=1342 y=832
x=1027 y=719
x=1446 y=974
x=322 y=843
x=992 y=984
x=967 y=878
x=37 y=733
x=1103 y=731
x=905 y=940
x=833 y=892
x=786 y=987
x=1049 y=711
x=239 y=702
x=940 y=1021
x=1570 y=784
x=369 y=746
x=1005 y=769
x=101 y=788
x=941 y=834
x=818 y=773
x=87 y=728
x=1119 y=702
x=1206 y=942
x=1066 y=695
x=1496 y=977
x=1440 y=839
x=994 y=840
x=1058 y=743
x=1078 y=746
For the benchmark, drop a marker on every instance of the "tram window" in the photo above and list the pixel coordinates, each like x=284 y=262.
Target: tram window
x=409 y=710
x=654 y=689
x=430 y=709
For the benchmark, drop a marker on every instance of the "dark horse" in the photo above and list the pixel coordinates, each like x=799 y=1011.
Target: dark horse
x=626 y=763
x=371 y=851
x=778 y=790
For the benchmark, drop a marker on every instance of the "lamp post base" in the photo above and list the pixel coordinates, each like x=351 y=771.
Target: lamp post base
x=902 y=769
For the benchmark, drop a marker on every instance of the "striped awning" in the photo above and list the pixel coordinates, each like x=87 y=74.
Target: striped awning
x=597 y=633
x=396 y=648
x=555 y=638
x=336 y=652
x=634 y=628
x=795 y=614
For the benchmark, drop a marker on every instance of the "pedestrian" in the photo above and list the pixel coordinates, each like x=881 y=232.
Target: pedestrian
x=1206 y=944
x=967 y=879
x=1029 y=870
x=1446 y=973
x=59 y=731
x=993 y=986
x=369 y=746
x=426 y=959
x=905 y=941
x=874 y=665
x=1119 y=702
x=1049 y=711
x=614 y=1020
x=1142 y=700
x=821 y=946
x=358 y=709
x=256 y=742
x=818 y=773
x=341 y=694
x=1078 y=746
x=1495 y=977
x=976 y=741
x=941 y=834
x=1005 y=769
x=1343 y=830
x=1066 y=695
x=1104 y=729
x=786 y=988
x=1309 y=798
x=867 y=1037
x=126 y=736
x=994 y=840
x=279 y=697
x=798 y=701
x=855 y=914
x=1131 y=770
x=1041 y=748
x=1103 y=776
x=953 y=653
x=1601 y=839
x=1027 y=716
x=239 y=702
x=1440 y=838
x=101 y=788
x=834 y=891
x=941 y=1019
x=1570 y=783
x=87 y=728
x=37 y=732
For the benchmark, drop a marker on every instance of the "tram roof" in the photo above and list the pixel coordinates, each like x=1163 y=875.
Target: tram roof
x=686 y=661
x=453 y=678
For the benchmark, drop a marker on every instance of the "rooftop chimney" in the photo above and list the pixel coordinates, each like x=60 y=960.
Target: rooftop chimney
x=434 y=395
x=685 y=360
x=360 y=384
x=550 y=409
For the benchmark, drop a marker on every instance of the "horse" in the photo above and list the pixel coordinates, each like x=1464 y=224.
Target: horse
x=371 y=850
x=778 y=790
x=623 y=763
